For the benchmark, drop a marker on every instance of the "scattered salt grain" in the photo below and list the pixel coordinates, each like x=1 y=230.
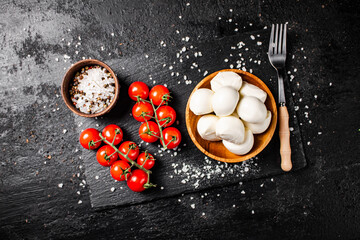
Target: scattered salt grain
x=78 y=192
x=192 y=206
x=252 y=37
x=79 y=202
x=242 y=192
x=112 y=189
x=60 y=185
x=64 y=131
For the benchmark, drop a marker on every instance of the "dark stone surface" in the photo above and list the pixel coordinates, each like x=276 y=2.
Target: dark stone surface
x=320 y=201
x=188 y=171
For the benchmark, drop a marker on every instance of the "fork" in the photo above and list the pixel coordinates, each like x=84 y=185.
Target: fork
x=277 y=57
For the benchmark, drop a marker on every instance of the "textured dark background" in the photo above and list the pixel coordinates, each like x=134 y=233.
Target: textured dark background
x=40 y=40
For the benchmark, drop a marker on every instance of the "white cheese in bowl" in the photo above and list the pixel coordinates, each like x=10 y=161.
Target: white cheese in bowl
x=261 y=127
x=206 y=127
x=251 y=109
x=200 y=102
x=226 y=79
x=231 y=129
x=244 y=147
x=225 y=100
x=248 y=89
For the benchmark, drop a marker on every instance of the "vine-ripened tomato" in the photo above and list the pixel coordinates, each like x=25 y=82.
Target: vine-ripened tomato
x=138 y=89
x=166 y=116
x=137 y=180
x=103 y=156
x=159 y=94
x=130 y=147
x=90 y=139
x=172 y=137
x=149 y=132
x=147 y=159
x=117 y=169
x=140 y=109
x=113 y=131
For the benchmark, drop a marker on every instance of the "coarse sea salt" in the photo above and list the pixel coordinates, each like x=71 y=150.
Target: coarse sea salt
x=93 y=89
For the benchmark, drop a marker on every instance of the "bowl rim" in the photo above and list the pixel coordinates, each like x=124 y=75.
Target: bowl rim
x=241 y=158
x=68 y=74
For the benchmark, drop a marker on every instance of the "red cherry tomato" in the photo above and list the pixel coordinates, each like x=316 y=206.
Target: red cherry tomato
x=103 y=155
x=130 y=147
x=138 y=89
x=137 y=180
x=149 y=132
x=146 y=160
x=90 y=139
x=141 y=109
x=159 y=94
x=113 y=131
x=118 y=168
x=166 y=116
x=172 y=137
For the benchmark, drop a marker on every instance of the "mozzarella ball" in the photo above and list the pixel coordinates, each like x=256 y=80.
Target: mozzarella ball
x=243 y=148
x=226 y=79
x=200 y=102
x=224 y=101
x=251 y=109
x=231 y=129
x=206 y=127
x=248 y=89
x=258 y=128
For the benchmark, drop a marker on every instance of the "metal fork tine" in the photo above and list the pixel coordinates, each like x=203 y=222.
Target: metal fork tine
x=280 y=39
x=284 y=40
x=271 y=42
x=276 y=39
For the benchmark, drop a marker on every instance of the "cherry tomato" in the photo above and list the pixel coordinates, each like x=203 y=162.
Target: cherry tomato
x=103 y=155
x=146 y=160
x=172 y=137
x=117 y=170
x=130 y=147
x=149 y=132
x=137 y=180
x=113 y=131
x=141 y=109
x=90 y=139
x=138 y=89
x=159 y=94
x=166 y=116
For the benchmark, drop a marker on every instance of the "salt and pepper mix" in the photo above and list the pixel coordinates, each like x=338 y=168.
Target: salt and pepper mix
x=92 y=90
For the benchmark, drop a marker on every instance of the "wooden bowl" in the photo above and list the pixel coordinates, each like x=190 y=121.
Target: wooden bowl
x=217 y=150
x=69 y=77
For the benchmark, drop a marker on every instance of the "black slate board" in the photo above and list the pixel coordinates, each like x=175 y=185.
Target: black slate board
x=189 y=170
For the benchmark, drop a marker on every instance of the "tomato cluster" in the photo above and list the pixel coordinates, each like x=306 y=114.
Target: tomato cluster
x=122 y=159
x=155 y=114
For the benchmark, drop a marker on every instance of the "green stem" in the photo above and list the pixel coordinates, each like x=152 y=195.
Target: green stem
x=157 y=121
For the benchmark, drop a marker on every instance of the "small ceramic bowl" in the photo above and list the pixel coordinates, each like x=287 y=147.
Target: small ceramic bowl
x=216 y=150
x=69 y=77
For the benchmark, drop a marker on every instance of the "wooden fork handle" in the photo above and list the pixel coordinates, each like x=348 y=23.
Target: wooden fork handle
x=284 y=134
